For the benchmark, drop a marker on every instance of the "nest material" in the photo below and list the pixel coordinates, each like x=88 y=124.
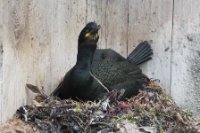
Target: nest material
x=150 y=111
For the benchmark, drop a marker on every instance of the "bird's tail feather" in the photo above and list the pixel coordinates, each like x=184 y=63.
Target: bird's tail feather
x=141 y=53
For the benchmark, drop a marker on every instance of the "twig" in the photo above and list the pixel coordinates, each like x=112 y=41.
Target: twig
x=102 y=123
x=82 y=123
x=99 y=82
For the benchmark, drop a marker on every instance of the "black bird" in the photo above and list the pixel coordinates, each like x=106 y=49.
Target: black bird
x=105 y=66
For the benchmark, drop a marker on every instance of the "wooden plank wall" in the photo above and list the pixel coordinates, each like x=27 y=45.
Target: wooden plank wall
x=186 y=54
x=1 y=58
x=152 y=20
x=39 y=41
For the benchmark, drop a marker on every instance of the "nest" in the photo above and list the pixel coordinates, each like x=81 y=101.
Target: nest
x=152 y=110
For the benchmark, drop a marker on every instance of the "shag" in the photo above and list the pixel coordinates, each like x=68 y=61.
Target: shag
x=98 y=71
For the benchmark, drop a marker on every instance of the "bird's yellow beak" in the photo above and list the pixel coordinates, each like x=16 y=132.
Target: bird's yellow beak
x=88 y=34
x=92 y=36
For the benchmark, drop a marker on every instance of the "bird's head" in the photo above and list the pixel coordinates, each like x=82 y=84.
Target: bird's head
x=89 y=35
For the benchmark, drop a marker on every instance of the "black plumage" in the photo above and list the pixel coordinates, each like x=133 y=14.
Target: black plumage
x=113 y=70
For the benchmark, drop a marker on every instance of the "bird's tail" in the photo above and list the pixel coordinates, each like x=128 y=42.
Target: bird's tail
x=141 y=53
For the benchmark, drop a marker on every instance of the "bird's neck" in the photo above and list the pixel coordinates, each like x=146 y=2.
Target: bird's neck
x=84 y=58
x=80 y=75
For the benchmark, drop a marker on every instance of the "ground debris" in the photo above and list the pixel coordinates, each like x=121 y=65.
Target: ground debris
x=15 y=125
x=66 y=116
x=151 y=111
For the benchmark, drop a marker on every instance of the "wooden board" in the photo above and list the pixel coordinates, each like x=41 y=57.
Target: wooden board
x=68 y=20
x=152 y=20
x=186 y=54
x=116 y=25
x=40 y=44
x=96 y=11
x=13 y=91
x=1 y=59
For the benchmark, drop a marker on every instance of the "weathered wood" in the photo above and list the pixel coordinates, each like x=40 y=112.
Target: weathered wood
x=13 y=92
x=116 y=25
x=186 y=54
x=96 y=11
x=152 y=20
x=69 y=18
x=40 y=44
x=1 y=58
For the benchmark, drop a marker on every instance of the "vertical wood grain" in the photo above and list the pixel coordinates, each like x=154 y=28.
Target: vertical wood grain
x=68 y=20
x=96 y=11
x=40 y=44
x=152 y=20
x=1 y=60
x=13 y=91
x=186 y=54
x=116 y=25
